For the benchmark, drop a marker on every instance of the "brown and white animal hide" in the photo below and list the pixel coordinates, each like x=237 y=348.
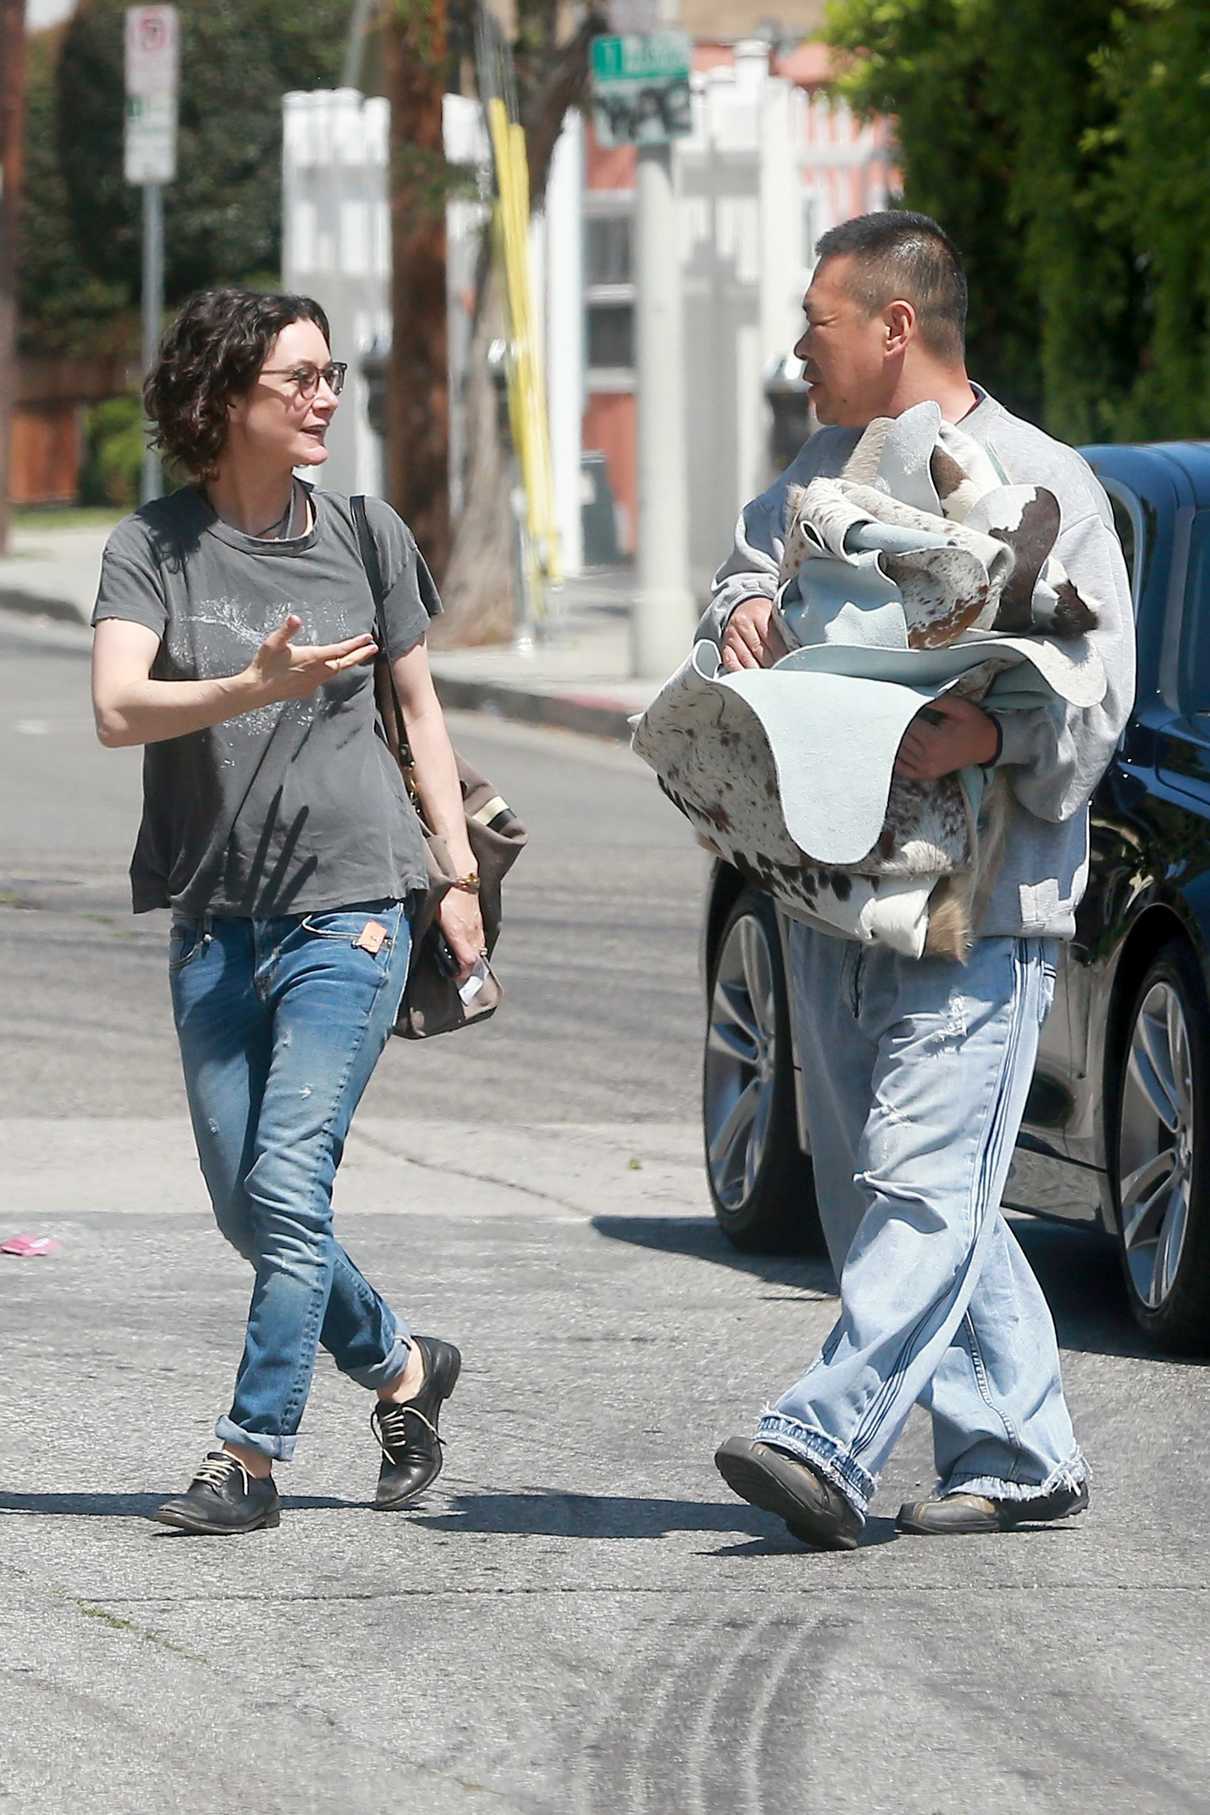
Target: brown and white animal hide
x=983 y=561
x=919 y=545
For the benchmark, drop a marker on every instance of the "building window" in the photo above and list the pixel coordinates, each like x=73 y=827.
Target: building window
x=607 y=250
x=609 y=294
x=611 y=336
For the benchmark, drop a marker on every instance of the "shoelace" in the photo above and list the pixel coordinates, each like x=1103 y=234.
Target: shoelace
x=386 y=1422
x=214 y=1471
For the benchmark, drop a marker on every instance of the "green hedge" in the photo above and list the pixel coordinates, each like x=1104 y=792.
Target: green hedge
x=113 y=453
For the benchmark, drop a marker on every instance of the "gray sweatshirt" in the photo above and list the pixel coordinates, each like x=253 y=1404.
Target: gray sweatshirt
x=1054 y=755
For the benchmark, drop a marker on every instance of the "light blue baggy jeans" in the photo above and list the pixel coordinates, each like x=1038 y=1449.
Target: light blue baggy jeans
x=917 y=1073
x=281 y=1023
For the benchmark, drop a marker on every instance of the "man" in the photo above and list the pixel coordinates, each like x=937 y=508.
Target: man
x=917 y=1070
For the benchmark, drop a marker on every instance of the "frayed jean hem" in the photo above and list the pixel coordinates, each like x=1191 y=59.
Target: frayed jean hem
x=278 y=1449
x=823 y=1453
x=1071 y=1474
x=383 y=1372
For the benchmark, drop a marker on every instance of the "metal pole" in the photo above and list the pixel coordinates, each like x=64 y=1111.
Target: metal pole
x=565 y=337
x=359 y=25
x=662 y=618
x=12 y=116
x=153 y=309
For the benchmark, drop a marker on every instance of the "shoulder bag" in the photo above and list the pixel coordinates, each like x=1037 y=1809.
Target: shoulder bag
x=432 y=1003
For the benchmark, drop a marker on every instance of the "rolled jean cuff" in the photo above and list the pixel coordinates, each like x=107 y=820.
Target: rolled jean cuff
x=383 y=1372
x=278 y=1449
x=823 y=1453
x=1071 y=1474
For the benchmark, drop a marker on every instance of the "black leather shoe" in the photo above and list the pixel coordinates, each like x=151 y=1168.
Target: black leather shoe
x=411 y=1444
x=223 y=1497
x=815 y=1511
x=954 y=1515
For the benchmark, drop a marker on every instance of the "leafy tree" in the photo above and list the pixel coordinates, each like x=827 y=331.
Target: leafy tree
x=223 y=212
x=1065 y=152
x=1155 y=70
x=928 y=63
x=64 y=307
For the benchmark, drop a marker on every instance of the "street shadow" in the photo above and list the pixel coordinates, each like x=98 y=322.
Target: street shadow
x=1077 y=1268
x=604 y=1516
x=700 y=1238
x=561 y=1515
x=613 y=1516
x=1079 y=1271
x=141 y=1506
x=781 y=1543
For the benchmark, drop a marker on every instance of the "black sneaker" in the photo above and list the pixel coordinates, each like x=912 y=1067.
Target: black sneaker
x=407 y=1433
x=815 y=1510
x=223 y=1497
x=956 y=1515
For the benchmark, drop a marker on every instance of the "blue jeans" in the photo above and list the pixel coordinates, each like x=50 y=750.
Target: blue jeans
x=281 y=1023
x=917 y=1074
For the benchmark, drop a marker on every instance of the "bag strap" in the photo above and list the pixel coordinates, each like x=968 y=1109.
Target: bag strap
x=373 y=566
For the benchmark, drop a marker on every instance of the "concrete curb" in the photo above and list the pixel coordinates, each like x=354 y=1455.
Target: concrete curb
x=40 y=605
x=591 y=715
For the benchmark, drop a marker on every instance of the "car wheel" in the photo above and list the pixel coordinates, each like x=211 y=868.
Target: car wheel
x=760 y=1180
x=1163 y=1152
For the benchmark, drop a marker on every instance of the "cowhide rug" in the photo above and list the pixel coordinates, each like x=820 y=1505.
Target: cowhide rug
x=885 y=600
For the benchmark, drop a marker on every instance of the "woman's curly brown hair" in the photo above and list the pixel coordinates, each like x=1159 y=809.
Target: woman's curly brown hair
x=211 y=353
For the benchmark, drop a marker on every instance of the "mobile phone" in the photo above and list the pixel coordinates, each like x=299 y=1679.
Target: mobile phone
x=447 y=964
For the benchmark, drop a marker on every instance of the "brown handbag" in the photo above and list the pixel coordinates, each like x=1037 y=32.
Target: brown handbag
x=431 y=1002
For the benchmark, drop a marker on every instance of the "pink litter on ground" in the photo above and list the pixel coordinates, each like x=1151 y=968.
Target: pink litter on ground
x=29 y=1246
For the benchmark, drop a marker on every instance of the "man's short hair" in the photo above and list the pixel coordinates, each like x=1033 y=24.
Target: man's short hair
x=902 y=256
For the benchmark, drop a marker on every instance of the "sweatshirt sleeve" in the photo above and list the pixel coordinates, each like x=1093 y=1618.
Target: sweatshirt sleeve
x=1056 y=754
x=750 y=570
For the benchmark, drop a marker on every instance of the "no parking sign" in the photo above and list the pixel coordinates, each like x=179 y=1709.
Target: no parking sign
x=152 y=58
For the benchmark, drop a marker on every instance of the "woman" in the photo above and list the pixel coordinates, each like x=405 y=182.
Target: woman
x=235 y=640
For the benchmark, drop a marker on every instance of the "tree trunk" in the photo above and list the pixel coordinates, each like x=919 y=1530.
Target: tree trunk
x=12 y=126
x=417 y=401
x=478 y=588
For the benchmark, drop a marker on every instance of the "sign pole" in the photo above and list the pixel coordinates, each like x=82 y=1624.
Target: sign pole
x=641 y=96
x=662 y=615
x=152 y=60
x=153 y=310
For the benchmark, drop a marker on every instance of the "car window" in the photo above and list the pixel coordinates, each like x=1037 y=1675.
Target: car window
x=1129 y=523
x=1195 y=620
x=1124 y=525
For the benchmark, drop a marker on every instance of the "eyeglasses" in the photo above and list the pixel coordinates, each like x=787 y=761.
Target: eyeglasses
x=306 y=378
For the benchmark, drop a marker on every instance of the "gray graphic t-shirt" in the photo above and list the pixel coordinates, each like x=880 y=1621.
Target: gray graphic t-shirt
x=291 y=808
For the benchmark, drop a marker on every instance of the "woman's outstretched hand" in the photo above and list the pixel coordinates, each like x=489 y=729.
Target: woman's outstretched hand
x=283 y=670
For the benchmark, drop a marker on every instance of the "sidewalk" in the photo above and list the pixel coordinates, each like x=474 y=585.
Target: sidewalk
x=576 y=676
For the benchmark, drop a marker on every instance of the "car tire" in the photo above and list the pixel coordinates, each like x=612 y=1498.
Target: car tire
x=1160 y=1153
x=759 y=1179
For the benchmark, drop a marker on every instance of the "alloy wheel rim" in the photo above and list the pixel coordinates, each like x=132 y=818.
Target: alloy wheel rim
x=1156 y=1145
x=741 y=1062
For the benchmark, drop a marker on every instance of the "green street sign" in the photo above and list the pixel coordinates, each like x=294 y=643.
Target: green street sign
x=640 y=88
x=658 y=57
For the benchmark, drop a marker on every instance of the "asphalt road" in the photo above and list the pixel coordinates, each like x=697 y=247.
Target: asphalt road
x=580 y=1619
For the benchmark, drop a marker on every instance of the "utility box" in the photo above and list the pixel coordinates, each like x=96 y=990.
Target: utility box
x=789 y=410
x=597 y=514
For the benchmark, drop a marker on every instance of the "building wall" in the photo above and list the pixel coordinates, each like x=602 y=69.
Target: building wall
x=735 y=19
x=770 y=167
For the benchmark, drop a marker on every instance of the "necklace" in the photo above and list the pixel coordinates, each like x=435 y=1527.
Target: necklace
x=279 y=529
x=280 y=526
